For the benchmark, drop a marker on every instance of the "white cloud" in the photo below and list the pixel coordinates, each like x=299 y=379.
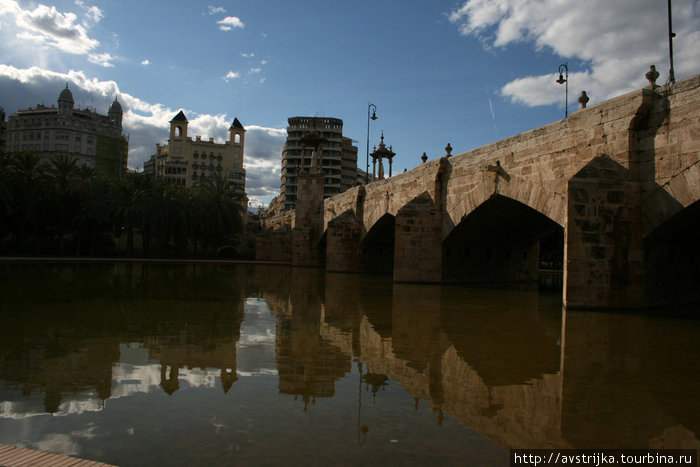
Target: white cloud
x=615 y=41
x=213 y=10
x=103 y=59
x=255 y=70
x=229 y=23
x=44 y=27
x=92 y=13
x=147 y=123
x=145 y=62
x=250 y=55
x=51 y=27
x=231 y=75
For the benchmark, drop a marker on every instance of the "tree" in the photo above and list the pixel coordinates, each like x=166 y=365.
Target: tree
x=126 y=203
x=27 y=172
x=221 y=211
x=63 y=170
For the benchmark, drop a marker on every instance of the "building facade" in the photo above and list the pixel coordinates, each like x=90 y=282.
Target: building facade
x=184 y=161
x=94 y=140
x=338 y=162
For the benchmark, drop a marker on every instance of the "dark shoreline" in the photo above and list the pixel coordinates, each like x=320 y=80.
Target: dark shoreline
x=52 y=259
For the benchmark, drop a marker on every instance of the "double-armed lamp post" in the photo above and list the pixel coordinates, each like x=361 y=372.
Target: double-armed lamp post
x=373 y=117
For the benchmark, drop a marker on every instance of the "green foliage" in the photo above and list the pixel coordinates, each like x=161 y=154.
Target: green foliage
x=62 y=207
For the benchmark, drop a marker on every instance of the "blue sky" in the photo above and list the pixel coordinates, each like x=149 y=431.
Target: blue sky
x=467 y=72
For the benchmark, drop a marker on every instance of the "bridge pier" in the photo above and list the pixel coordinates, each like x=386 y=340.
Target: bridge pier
x=418 y=240
x=604 y=255
x=344 y=244
x=306 y=234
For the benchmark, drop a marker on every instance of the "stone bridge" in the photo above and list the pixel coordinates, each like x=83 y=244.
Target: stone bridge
x=605 y=202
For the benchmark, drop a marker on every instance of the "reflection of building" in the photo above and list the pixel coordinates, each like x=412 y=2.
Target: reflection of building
x=215 y=352
x=93 y=139
x=183 y=161
x=307 y=364
x=338 y=161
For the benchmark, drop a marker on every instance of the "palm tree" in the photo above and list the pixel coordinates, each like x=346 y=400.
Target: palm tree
x=126 y=204
x=165 y=213
x=92 y=217
x=6 y=189
x=221 y=205
x=63 y=170
x=27 y=171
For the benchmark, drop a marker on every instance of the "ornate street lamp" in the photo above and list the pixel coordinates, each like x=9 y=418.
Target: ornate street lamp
x=564 y=69
x=373 y=117
x=382 y=153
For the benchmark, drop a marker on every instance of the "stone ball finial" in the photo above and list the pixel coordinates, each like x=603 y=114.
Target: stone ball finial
x=448 y=150
x=652 y=75
x=424 y=158
x=583 y=99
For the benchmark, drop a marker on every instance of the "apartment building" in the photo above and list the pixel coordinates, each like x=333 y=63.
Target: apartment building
x=184 y=161
x=93 y=139
x=338 y=162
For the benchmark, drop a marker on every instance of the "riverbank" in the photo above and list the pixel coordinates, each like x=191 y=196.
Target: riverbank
x=55 y=259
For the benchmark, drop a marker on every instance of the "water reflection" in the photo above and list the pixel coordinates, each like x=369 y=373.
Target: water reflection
x=510 y=366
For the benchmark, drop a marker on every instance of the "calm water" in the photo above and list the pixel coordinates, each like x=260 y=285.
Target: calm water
x=206 y=365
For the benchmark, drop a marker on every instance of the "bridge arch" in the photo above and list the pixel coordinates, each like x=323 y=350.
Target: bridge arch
x=673 y=197
x=547 y=202
x=377 y=247
x=504 y=240
x=672 y=259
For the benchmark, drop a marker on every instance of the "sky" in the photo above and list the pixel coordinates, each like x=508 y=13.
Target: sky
x=467 y=72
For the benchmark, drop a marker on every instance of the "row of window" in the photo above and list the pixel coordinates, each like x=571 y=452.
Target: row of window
x=204 y=164
x=23 y=123
x=204 y=156
x=37 y=136
x=175 y=170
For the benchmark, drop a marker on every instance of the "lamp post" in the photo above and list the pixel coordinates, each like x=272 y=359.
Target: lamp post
x=564 y=69
x=671 y=35
x=373 y=117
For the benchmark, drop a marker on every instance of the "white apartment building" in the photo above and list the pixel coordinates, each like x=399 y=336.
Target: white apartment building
x=184 y=161
x=338 y=163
